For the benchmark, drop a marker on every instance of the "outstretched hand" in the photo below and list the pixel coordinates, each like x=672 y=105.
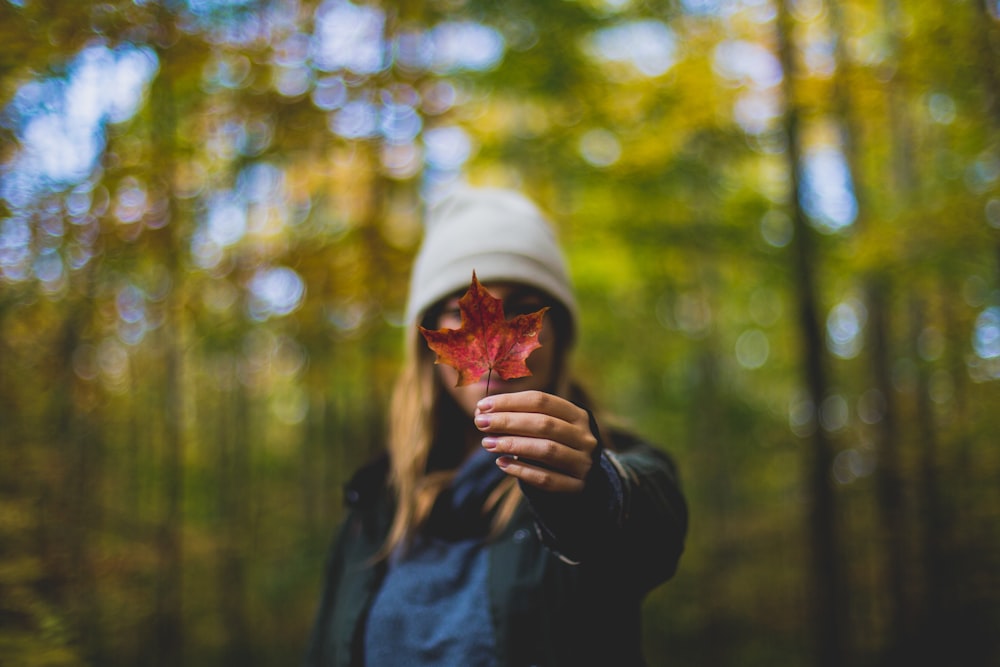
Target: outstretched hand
x=543 y=440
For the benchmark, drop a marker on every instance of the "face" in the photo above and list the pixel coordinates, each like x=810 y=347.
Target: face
x=543 y=362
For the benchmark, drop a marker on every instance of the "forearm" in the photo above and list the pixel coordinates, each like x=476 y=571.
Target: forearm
x=632 y=512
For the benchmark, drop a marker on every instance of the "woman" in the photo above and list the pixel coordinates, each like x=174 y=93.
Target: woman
x=500 y=529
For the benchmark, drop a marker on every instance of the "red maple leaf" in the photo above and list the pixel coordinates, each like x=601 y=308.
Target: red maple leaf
x=486 y=341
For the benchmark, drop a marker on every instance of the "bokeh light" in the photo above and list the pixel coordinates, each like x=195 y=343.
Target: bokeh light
x=828 y=190
x=600 y=148
x=60 y=122
x=447 y=147
x=647 y=46
x=465 y=45
x=844 y=328
x=274 y=292
x=986 y=335
x=752 y=349
x=349 y=36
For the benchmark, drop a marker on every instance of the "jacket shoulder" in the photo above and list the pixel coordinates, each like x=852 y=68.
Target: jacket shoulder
x=368 y=483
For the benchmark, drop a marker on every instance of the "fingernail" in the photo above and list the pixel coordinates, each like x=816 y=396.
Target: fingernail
x=490 y=443
x=503 y=461
x=482 y=420
x=485 y=405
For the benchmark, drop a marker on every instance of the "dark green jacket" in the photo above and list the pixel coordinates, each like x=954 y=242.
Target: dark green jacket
x=554 y=602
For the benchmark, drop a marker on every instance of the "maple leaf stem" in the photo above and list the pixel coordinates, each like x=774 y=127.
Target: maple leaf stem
x=488 y=376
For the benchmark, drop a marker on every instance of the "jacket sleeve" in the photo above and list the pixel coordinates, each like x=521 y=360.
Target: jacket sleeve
x=318 y=649
x=631 y=516
x=350 y=576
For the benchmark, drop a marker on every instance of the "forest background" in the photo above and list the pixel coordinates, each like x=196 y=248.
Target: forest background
x=783 y=218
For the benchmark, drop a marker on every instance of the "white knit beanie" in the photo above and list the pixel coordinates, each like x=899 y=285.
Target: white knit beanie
x=500 y=235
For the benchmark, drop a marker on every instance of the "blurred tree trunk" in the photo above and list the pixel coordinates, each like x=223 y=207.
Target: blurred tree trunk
x=888 y=482
x=936 y=534
x=167 y=645
x=10 y=436
x=375 y=286
x=317 y=448
x=77 y=497
x=904 y=642
x=877 y=292
x=234 y=444
x=971 y=602
x=986 y=36
x=827 y=585
x=706 y=437
x=986 y=33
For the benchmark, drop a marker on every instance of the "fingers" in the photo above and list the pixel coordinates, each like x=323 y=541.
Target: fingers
x=533 y=401
x=542 y=439
x=552 y=455
x=533 y=425
x=538 y=415
x=548 y=480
